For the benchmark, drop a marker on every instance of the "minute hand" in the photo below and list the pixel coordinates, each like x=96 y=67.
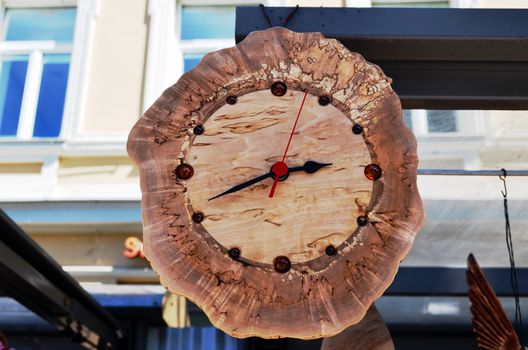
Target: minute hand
x=243 y=185
x=309 y=167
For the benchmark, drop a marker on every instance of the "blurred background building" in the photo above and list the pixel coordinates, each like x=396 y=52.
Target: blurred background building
x=75 y=75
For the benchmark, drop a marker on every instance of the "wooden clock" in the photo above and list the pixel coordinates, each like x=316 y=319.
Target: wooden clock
x=279 y=185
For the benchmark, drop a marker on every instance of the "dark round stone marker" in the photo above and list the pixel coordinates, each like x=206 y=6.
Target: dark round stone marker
x=362 y=220
x=324 y=100
x=282 y=264
x=231 y=100
x=198 y=130
x=234 y=253
x=330 y=250
x=357 y=129
x=278 y=88
x=372 y=171
x=198 y=217
x=184 y=171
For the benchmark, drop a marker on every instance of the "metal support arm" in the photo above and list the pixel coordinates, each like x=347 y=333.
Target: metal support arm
x=34 y=279
x=437 y=58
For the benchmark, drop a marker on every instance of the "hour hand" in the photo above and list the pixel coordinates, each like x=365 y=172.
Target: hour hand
x=243 y=185
x=309 y=167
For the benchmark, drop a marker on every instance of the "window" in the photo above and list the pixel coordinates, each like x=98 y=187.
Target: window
x=204 y=29
x=441 y=121
x=181 y=32
x=36 y=50
x=424 y=122
x=207 y=22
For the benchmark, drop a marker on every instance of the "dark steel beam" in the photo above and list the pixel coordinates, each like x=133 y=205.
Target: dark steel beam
x=29 y=275
x=445 y=281
x=437 y=58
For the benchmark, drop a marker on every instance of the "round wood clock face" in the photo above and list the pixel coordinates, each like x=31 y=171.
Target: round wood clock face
x=309 y=212
x=279 y=186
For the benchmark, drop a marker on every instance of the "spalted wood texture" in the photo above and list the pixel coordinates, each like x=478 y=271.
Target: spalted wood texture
x=369 y=334
x=309 y=211
x=318 y=297
x=491 y=325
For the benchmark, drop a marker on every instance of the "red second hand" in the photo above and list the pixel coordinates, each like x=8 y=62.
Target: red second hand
x=280 y=168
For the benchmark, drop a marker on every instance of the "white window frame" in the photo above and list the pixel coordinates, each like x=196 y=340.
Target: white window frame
x=468 y=123
x=86 y=11
x=452 y=3
x=165 y=49
x=24 y=148
x=411 y=1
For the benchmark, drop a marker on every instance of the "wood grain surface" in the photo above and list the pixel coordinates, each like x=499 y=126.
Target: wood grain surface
x=369 y=334
x=309 y=211
x=317 y=297
x=491 y=325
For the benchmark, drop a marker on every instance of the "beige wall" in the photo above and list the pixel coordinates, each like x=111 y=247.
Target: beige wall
x=89 y=249
x=96 y=170
x=115 y=83
x=503 y=3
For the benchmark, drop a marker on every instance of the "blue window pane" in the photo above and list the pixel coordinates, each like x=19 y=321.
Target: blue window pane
x=52 y=94
x=208 y=22
x=190 y=61
x=12 y=81
x=40 y=24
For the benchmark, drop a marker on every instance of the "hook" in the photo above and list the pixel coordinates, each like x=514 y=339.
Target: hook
x=503 y=179
x=263 y=8
x=288 y=18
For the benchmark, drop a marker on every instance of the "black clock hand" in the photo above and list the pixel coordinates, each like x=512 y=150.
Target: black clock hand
x=309 y=167
x=243 y=185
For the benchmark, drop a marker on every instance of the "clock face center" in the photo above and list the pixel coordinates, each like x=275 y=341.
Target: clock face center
x=323 y=189
x=279 y=169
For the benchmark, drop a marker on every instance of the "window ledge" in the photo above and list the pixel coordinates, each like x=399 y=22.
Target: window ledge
x=101 y=147
x=453 y=136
